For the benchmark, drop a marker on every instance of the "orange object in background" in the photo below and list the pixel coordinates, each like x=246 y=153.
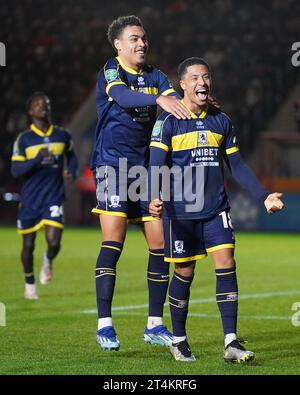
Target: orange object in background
x=85 y=181
x=281 y=184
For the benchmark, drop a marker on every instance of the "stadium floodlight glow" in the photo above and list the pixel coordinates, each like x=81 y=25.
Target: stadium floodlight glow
x=11 y=197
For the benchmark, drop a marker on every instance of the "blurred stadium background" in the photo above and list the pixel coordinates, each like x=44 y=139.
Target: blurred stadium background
x=58 y=47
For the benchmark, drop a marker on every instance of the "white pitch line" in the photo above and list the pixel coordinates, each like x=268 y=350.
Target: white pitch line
x=204 y=300
x=202 y=315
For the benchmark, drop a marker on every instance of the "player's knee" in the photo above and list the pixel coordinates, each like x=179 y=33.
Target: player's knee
x=54 y=245
x=226 y=263
x=157 y=245
x=186 y=269
x=155 y=241
x=28 y=246
x=113 y=228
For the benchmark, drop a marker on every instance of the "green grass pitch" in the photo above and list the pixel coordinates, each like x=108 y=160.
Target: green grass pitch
x=56 y=334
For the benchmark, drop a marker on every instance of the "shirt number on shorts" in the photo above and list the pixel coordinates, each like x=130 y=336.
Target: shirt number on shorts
x=226 y=220
x=56 y=211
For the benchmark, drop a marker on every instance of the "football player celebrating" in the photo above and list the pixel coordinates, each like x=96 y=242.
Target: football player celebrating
x=199 y=222
x=127 y=94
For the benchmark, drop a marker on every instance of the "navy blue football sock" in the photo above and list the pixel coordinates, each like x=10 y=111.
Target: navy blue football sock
x=158 y=281
x=106 y=276
x=227 y=298
x=179 y=294
x=29 y=277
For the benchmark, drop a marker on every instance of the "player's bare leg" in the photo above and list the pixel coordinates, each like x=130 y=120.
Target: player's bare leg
x=179 y=295
x=158 y=280
x=113 y=228
x=113 y=236
x=227 y=300
x=154 y=234
x=53 y=238
x=27 y=262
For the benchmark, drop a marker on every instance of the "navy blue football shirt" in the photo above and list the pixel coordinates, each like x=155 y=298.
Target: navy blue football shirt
x=43 y=184
x=126 y=132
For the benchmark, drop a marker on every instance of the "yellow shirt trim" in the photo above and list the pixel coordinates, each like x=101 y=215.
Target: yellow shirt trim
x=54 y=148
x=18 y=158
x=232 y=150
x=190 y=140
x=111 y=84
x=159 y=145
x=40 y=132
x=193 y=115
x=168 y=91
x=128 y=69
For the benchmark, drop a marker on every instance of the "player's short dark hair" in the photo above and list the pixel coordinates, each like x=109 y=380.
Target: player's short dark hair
x=190 y=62
x=32 y=97
x=118 y=25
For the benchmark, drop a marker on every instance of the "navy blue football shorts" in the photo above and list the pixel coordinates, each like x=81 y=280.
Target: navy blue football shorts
x=30 y=220
x=190 y=240
x=120 y=194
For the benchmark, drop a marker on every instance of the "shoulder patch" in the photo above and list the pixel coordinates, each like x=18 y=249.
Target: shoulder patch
x=15 y=148
x=111 y=74
x=157 y=128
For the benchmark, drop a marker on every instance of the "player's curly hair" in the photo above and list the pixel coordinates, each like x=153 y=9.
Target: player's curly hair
x=190 y=62
x=32 y=97
x=118 y=25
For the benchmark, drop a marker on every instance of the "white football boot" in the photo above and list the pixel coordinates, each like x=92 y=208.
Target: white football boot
x=46 y=273
x=30 y=292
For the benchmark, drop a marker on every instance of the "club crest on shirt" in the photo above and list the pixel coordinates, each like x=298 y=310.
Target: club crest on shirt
x=111 y=74
x=202 y=138
x=178 y=244
x=114 y=201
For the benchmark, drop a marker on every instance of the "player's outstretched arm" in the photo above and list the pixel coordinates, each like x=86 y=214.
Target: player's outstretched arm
x=247 y=179
x=173 y=105
x=273 y=203
x=128 y=98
